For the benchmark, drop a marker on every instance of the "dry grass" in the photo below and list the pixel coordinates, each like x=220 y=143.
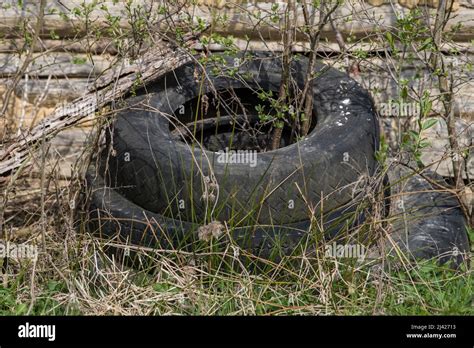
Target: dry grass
x=76 y=273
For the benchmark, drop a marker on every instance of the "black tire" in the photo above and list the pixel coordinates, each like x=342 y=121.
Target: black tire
x=111 y=216
x=163 y=172
x=427 y=222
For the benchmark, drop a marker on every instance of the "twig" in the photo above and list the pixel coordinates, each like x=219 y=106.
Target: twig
x=307 y=94
x=28 y=59
x=285 y=76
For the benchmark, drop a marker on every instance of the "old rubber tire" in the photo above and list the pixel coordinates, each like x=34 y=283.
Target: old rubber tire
x=427 y=222
x=166 y=176
x=111 y=216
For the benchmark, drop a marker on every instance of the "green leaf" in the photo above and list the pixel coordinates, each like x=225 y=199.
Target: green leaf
x=423 y=144
x=414 y=134
x=22 y=308
x=53 y=35
x=426 y=44
x=390 y=40
x=429 y=123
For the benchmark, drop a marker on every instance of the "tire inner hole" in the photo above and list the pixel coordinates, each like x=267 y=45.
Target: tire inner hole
x=235 y=119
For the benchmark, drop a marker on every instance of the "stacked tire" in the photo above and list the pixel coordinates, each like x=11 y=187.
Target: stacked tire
x=149 y=187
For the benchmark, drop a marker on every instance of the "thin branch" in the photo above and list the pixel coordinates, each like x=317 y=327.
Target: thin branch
x=28 y=59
